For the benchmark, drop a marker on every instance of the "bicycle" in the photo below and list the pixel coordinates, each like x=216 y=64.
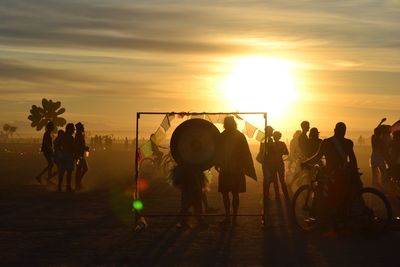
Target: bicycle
x=371 y=211
x=151 y=164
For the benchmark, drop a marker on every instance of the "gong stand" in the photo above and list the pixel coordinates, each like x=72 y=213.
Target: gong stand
x=139 y=218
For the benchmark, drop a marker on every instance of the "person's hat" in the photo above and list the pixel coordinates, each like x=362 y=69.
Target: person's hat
x=314 y=130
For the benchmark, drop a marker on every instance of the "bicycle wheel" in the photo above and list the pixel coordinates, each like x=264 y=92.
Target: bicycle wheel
x=147 y=166
x=302 y=205
x=300 y=178
x=378 y=208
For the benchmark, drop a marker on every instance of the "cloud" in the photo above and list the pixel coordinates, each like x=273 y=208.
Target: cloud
x=191 y=27
x=133 y=53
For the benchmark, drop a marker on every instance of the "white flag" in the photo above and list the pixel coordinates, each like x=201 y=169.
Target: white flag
x=249 y=129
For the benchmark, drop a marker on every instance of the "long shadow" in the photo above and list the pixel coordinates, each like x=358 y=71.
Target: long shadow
x=220 y=253
x=177 y=250
x=281 y=245
x=158 y=247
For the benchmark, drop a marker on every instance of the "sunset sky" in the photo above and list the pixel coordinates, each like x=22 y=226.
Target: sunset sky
x=323 y=61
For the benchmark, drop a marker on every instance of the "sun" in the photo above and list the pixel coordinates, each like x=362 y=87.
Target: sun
x=259 y=83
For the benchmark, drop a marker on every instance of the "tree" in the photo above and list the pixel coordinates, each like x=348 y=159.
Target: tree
x=9 y=130
x=49 y=111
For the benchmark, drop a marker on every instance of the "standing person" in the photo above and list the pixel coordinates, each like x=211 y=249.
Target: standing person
x=67 y=145
x=233 y=162
x=395 y=156
x=80 y=149
x=341 y=167
x=47 y=150
x=279 y=150
x=314 y=141
x=264 y=157
x=57 y=150
x=304 y=140
x=156 y=150
x=190 y=181
x=304 y=151
x=378 y=164
x=294 y=155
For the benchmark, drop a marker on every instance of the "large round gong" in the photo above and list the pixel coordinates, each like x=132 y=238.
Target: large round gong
x=194 y=143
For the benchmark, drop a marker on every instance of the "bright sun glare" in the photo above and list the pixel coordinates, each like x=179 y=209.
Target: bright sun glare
x=260 y=84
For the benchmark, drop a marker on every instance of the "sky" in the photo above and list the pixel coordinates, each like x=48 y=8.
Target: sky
x=107 y=60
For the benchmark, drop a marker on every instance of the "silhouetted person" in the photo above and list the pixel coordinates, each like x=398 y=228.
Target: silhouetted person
x=277 y=166
x=47 y=150
x=294 y=149
x=378 y=164
x=294 y=155
x=314 y=141
x=190 y=181
x=67 y=145
x=233 y=162
x=80 y=149
x=304 y=140
x=57 y=150
x=387 y=140
x=395 y=156
x=341 y=167
x=264 y=157
x=156 y=149
x=304 y=150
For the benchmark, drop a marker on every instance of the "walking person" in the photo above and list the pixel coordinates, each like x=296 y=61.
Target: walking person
x=67 y=148
x=47 y=150
x=233 y=162
x=80 y=150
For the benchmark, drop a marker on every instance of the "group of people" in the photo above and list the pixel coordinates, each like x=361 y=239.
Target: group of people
x=385 y=157
x=305 y=143
x=234 y=162
x=66 y=151
x=99 y=142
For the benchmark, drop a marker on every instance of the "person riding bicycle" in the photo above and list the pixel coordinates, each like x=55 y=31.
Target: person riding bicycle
x=156 y=149
x=341 y=167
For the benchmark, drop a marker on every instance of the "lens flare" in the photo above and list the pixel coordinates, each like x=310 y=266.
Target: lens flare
x=137 y=204
x=142 y=184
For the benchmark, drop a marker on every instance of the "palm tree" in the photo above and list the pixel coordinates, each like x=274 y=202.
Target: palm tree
x=49 y=111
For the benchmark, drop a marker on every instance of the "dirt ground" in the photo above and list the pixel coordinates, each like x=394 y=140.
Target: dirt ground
x=41 y=227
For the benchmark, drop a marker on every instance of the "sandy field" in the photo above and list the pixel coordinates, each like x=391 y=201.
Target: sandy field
x=95 y=227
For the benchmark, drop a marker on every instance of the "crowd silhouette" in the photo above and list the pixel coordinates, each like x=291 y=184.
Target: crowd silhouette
x=67 y=152
x=335 y=156
x=281 y=167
